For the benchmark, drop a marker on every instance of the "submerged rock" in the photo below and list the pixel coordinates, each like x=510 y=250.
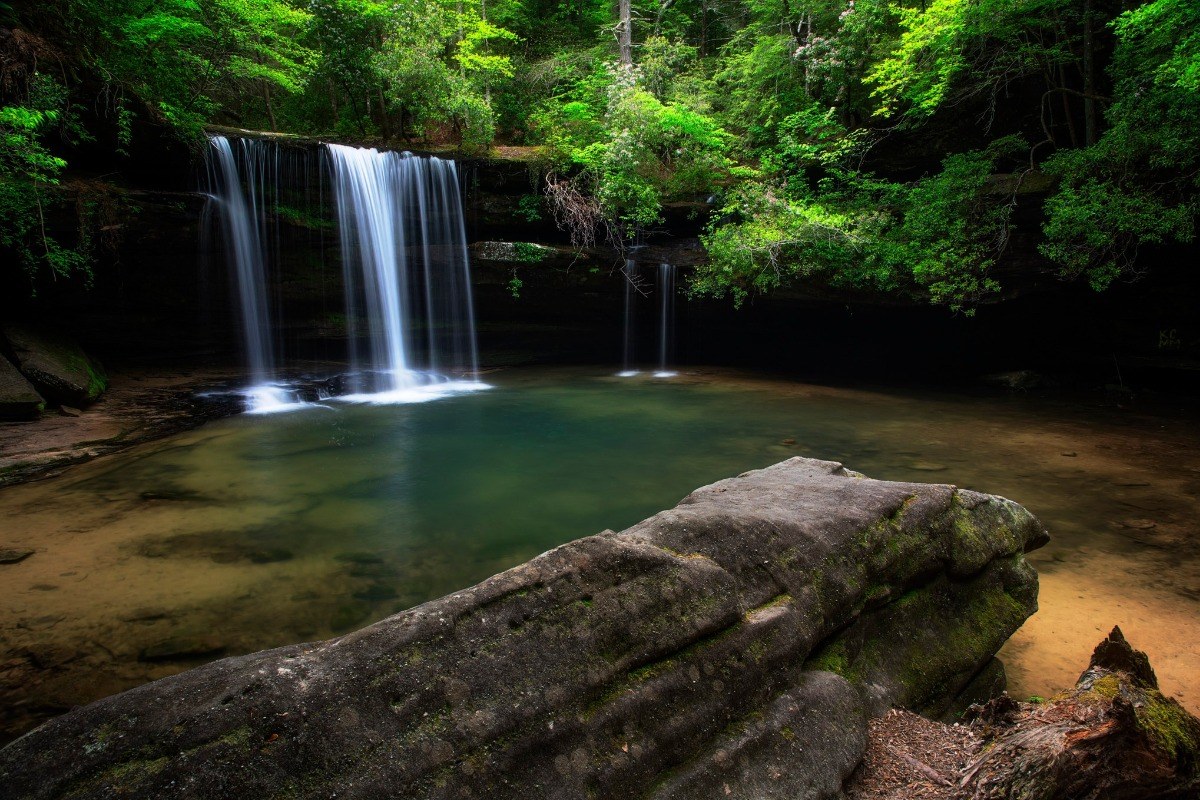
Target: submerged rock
x=676 y=659
x=182 y=648
x=14 y=555
x=56 y=365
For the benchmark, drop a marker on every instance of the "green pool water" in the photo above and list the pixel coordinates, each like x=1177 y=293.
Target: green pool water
x=258 y=531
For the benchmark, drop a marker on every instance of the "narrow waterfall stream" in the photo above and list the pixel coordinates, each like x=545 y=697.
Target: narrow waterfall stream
x=236 y=182
x=666 y=319
x=665 y=330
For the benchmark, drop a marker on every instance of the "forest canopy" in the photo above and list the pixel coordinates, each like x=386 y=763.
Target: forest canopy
x=867 y=145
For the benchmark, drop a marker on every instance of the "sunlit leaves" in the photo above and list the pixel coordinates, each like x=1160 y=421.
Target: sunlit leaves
x=938 y=236
x=474 y=54
x=950 y=49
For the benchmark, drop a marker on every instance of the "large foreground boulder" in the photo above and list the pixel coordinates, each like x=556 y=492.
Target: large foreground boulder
x=18 y=398
x=56 y=364
x=670 y=660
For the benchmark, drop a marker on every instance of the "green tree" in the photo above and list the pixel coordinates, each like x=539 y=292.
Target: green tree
x=1140 y=183
x=28 y=172
x=439 y=61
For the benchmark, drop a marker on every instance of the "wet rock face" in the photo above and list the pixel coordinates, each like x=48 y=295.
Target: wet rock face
x=692 y=655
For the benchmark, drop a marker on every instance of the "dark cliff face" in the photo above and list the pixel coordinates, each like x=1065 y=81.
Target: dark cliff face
x=161 y=292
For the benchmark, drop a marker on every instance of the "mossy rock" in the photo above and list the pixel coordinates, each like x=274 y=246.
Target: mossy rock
x=513 y=252
x=56 y=365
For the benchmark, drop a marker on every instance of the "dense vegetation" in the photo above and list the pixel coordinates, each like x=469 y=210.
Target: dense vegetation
x=881 y=145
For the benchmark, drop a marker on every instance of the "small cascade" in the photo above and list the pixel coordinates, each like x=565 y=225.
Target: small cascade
x=628 y=368
x=404 y=260
x=666 y=319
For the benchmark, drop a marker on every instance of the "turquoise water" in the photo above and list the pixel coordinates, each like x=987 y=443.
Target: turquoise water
x=258 y=531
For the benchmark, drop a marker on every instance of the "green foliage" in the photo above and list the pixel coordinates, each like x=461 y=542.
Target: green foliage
x=635 y=151
x=759 y=84
x=428 y=86
x=182 y=59
x=938 y=236
x=949 y=50
x=28 y=172
x=529 y=207
x=1140 y=183
x=822 y=124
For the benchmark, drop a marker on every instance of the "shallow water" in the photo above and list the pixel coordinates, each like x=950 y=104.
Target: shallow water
x=259 y=531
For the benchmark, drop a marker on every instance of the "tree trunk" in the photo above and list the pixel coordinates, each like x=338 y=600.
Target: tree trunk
x=266 y=88
x=385 y=126
x=1089 y=76
x=625 y=32
x=1066 y=104
x=1114 y=736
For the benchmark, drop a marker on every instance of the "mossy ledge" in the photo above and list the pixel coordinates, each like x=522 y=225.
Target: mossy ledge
x=672 y=659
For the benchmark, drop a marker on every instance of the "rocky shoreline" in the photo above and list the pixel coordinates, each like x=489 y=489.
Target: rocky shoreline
x=139 y=406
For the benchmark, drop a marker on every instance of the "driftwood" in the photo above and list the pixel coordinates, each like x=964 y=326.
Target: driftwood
x=1114 y=736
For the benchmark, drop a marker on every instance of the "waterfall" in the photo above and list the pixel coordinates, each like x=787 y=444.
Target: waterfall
x=666 y=318
x=628 y=368
x=239 y=183
x=404 y=259
x=404 y=264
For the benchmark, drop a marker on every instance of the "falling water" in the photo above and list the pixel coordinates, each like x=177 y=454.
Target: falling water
x=404 y=253
x=627 y=368
x=240 y=198
x=666 y=318
x=404 y=257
